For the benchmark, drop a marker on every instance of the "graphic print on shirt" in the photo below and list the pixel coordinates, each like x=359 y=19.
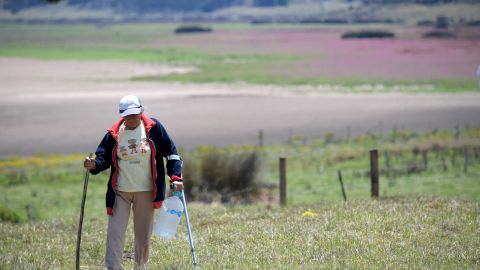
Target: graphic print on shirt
x=143 y=145
x=133 y=145
x=134 y=160
x=123 y=151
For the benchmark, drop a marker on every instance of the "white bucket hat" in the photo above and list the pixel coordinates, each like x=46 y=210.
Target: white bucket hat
x=130 y=105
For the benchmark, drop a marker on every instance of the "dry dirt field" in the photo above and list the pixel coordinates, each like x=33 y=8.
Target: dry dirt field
x=66 y=106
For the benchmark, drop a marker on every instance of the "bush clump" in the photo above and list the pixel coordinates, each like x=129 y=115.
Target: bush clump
x=223 y=174
x=473 y=23
x=185 y=29
x=426 y=23
x=369 y=34
x=8 y=215
x=439 y=34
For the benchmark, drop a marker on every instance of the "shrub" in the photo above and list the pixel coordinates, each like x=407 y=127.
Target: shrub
x=442 y=22
x=230 y=176
x=439 y=34
x=185 y=29
x=9 y=215
x=261 y=21
x=329 y=138
x=473 y=23
x=335 y=21
x=369 y=34
x=16 y=177
x=428 y=23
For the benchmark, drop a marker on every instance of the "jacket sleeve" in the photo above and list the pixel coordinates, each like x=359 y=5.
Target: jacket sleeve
x=103 y=154
x=169 y=151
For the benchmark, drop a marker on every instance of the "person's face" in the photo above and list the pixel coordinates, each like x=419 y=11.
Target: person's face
x=132 y=121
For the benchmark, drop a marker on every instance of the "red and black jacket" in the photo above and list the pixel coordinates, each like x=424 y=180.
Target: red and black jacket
x=161 y=146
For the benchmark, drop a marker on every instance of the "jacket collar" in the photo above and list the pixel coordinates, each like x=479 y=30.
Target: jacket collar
x=147 y=122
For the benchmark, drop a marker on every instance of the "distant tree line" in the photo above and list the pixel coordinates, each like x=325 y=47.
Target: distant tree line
x=152 y=6
x=421 y=2
x=143 y=6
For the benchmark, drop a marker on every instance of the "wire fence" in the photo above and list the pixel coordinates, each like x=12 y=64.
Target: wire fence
x=452 y=171
x=315 y=169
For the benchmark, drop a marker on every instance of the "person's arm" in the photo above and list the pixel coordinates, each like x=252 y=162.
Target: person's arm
x=174 y=161
x=103 y=157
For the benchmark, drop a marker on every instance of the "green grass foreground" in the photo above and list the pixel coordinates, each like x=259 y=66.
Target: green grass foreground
x=395 y=233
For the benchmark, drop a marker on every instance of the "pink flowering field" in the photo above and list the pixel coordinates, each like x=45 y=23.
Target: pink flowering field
x=321 y=52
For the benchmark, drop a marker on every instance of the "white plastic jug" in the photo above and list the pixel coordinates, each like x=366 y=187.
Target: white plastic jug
x=169 y=217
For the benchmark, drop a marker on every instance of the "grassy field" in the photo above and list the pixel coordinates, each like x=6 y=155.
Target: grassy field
x=409 y=232
x=255 y=54
x=427 y=220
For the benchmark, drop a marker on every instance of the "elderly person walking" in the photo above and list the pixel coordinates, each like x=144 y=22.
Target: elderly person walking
x=134 y=149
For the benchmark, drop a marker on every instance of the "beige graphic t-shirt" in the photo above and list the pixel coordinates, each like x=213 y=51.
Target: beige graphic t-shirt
x=134 y=166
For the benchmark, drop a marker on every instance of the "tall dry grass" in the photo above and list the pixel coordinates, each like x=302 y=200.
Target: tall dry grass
x=224 y=174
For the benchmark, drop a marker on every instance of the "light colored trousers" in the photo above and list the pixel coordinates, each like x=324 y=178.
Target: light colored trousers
x=141 y=204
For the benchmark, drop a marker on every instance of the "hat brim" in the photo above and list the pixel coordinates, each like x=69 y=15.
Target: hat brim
x=131 y=111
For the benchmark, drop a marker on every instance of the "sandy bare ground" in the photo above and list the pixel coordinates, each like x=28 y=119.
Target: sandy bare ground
x=66 y=106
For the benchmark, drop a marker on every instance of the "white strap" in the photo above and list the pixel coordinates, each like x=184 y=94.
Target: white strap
x=174 y=157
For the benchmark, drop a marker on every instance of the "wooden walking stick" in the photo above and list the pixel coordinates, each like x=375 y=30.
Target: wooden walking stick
x=82 y=208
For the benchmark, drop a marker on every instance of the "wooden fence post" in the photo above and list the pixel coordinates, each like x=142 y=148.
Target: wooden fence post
x=457 y=131
x=260 y=137
x=444 y=163
x=341 y=185
x=394 y=134
x=425 y=159
x=374 y=172
x=283 y=181
x=348 y=134
x=465 y=163
x=454 y=153
x=387 y=162
x=290 y=135
x=28 y=207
